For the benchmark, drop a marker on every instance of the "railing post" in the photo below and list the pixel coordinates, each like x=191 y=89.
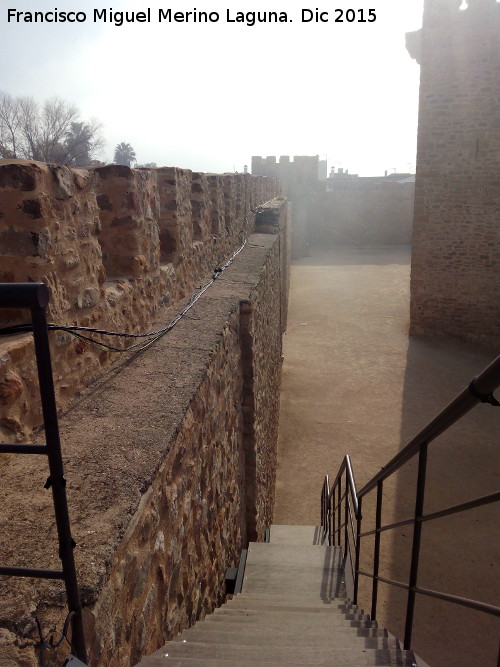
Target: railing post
x=376 y=550
x=415 y=553
x=322 y=519
x=332 y=517
x=346 y=516
x=339 y=509
x=57 y=481
x=358 y=550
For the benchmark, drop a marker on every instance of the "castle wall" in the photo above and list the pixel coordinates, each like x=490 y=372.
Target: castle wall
x=115 y=246
x=359 y=213
x=300 y=184
x=353 y=211
x=170 y=461
x=456 y=240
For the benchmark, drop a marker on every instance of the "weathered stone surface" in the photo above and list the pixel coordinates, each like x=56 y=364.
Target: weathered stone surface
x=115 y=246
x=158 y=481
x=217 y=203
x=11 y=388
x=176 y=234
x=158 y=489
x=456 y=241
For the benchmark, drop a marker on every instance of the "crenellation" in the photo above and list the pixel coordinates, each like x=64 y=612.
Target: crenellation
x=115 y=246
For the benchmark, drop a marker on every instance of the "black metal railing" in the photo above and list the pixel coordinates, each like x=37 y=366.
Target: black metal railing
x=341 y=504
x=339 y=511
x=35 y=297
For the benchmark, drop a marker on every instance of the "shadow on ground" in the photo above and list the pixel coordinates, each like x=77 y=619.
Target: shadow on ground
x=353 y=382
x=460 y=552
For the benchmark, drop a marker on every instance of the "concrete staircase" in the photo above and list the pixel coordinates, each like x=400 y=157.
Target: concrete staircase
x=292 y=611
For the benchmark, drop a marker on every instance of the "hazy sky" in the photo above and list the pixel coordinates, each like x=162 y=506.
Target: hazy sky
x=208 y=96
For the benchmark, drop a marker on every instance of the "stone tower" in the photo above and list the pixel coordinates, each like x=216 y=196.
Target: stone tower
x=455 y=277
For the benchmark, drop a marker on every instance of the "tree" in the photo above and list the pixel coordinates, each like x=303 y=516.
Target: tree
x=9 y=126
x=147 y=165
x=49 y=133
x=124 y=154
x=80 y=144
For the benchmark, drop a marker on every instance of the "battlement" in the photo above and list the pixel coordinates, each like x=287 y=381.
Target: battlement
x=115 y=246
x=301 y=168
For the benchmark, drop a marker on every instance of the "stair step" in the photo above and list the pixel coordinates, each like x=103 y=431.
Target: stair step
x=271 y=600
x=288 y=622
x=293 y=611
x=316 y=615
x=270 y=604
x=402 y=659
x=307 y=556
x=312 y=571
x=295 y=535
x=158 y=661
x=297 y=583
x=354 y=656
x=242 y=630
x=340 y=637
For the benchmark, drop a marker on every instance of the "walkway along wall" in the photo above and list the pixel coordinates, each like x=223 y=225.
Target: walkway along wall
x=170 y=460
x=455 y=275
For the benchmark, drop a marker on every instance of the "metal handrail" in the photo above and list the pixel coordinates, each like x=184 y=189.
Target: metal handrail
x=35 y=296
x=333 y=521
x=480 y=389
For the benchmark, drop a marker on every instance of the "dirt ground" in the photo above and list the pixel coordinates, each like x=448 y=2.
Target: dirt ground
x=355 y=383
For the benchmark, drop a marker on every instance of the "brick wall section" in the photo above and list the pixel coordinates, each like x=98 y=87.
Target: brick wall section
x=160 y=511
x=358 y=214
x=116 y=246
x=456 y=242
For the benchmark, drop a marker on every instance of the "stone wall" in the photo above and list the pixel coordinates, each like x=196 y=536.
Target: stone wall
x=359 y=213
x=263 y=322
x=115 y=246
x=455 y=274
x=340 y=211
x=300 y=182
x=170 y=461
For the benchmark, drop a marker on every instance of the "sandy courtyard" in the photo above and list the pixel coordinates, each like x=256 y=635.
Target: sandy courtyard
x=355 y=383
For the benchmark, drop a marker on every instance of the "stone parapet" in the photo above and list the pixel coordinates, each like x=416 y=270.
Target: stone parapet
x=115 y=246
